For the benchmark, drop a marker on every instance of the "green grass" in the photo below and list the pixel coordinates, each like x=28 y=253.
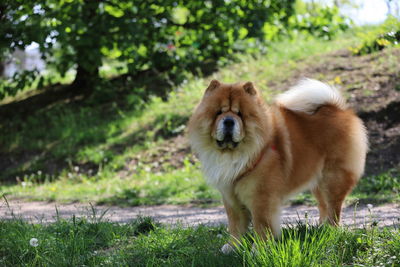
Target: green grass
x=78 y=152
x=145 y=188
x=142 y=242
x=100 y=135
x=87 y=133
x=181 y=186
x=379 y=188
x=373 y=189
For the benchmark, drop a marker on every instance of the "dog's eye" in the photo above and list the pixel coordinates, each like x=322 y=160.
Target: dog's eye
x=240 y=114
x=219 y=113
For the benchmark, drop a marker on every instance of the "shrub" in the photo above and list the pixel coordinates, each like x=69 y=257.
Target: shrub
x=152 y=38
x=165 y=36
x=386 y=35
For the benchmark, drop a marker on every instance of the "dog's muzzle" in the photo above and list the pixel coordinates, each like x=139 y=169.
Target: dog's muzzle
x=228 y=133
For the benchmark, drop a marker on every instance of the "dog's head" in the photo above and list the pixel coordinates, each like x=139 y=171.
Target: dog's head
x=228 y=116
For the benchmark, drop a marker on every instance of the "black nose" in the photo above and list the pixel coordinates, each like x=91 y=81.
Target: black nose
x=229 y=122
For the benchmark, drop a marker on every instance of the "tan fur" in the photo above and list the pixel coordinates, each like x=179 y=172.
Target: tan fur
x=323 y=151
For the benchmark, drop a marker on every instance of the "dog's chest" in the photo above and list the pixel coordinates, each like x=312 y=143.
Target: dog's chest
x=221 y=170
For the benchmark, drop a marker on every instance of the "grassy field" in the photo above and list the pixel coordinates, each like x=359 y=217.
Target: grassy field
x=93 y=242
x=119 y=150
x=125 y=148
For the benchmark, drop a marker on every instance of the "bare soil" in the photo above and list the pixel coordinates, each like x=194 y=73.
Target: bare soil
x=372 y=85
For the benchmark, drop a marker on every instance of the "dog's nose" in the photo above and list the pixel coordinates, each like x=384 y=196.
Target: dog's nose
x=229 y=122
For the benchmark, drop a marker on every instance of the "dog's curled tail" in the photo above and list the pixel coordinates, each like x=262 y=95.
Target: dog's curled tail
x=308 y=95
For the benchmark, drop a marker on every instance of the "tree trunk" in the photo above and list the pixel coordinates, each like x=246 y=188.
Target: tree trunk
x=85 y=81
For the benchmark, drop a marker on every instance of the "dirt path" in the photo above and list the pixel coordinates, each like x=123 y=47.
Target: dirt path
x=44 y=212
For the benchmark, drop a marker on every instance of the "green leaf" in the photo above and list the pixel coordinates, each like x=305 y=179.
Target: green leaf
x=113 y=11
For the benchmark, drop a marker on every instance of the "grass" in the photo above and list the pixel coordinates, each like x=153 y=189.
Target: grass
x=142 y=242
x=373 y=189
x=83 y=152
x=82 y=133
x=102 y=134
x=379 y=188
x=181 y=186
x=173 y=187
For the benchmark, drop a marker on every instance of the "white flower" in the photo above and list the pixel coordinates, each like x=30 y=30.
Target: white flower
x=76 y=168
x=34 y=242
x=227 y=248
x=370 y=206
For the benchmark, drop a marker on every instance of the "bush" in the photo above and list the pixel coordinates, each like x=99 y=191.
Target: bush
x=153 y=38
x=321 y=21
x=386 y=35
x=167 y=36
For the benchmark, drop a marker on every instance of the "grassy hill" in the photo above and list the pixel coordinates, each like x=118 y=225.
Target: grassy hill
x=127 y=148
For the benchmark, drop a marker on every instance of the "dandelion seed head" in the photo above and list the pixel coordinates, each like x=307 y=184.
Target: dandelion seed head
x=34 y=242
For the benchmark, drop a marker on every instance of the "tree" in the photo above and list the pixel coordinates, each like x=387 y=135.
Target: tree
x=168 y=36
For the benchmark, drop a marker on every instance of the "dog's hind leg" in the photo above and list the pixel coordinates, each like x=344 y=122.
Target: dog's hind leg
x=334 y=187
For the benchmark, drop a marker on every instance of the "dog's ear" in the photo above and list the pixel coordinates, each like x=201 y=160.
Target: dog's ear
x=213 y=85
x=249 y=88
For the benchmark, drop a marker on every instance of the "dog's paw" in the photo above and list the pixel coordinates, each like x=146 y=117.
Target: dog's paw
x=227 y=248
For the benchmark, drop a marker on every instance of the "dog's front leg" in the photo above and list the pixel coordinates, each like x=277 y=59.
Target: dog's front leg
x=238 y=221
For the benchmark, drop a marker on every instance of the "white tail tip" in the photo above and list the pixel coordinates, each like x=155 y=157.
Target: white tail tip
x=308 y=95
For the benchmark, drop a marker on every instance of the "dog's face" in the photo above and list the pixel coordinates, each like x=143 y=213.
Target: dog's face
x=228 y=115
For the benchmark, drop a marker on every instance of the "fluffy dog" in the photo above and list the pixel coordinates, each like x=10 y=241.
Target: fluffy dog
x=259 y=156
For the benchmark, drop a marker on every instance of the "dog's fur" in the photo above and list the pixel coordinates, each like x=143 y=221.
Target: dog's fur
x=307 y=139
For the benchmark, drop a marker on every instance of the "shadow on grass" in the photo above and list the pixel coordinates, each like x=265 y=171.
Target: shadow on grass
x=134 y=197
x=164 y=126
x=49 y=132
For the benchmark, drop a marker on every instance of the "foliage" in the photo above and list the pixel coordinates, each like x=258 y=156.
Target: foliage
x=321 y=21
x=308 y=19
x=94 y=242
x=165 y=36
x=106 y=134
x=157 y=38
x=17 y=32
x=386 y=35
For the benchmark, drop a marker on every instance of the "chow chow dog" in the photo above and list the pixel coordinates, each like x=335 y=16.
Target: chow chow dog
x=258 y=156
